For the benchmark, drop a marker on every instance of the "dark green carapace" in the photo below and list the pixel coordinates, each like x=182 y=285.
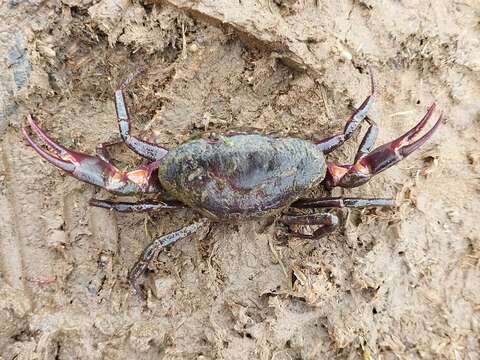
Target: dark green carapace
x=241 y=175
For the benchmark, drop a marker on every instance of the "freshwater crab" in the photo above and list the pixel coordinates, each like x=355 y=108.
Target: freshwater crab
x=235 y=177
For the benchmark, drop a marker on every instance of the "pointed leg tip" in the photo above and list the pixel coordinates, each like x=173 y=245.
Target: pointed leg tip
x=24 y=131
x=31 y=121
x=26 y=136
x=430 y=110
x=93 y=202
x=34 y=126
x=411 y=146
x=390 y=203
x=30 y=124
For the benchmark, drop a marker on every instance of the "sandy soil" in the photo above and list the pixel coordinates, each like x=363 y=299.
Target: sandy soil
x=401 y=283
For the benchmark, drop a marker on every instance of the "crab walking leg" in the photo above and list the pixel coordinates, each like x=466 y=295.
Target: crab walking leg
x=140 y=206
x=142 y=148
x=368 y=140
x=339 y=202
x=371 y=163
x=331 y=143
x=152 y=250
x=94 y=170
x=327 y=222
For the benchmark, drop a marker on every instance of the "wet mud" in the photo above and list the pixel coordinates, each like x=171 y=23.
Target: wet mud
x=400 y=283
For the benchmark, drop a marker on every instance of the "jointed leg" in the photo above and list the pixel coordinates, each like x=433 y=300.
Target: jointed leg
x=94 y=170
x=369 y=163
x=143 y=148
x=327 y=223
x=331 y=143
x=339 y=202
x=153 y=248
x=139 y=206
x=368 y=140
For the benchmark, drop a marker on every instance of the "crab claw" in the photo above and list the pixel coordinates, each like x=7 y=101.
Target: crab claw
x=90 y=169
x=382 y=157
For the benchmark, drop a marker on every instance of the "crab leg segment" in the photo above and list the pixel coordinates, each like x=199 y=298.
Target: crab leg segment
x=341 y=202
x=331 y=143
x=368 y=164
x=91 y=169
x=368 y=140
x=153 y=249
x=327 y=223
x=143 y=148
x=140 y=206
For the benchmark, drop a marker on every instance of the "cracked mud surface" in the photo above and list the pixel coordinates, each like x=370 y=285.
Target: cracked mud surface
x=390 y=283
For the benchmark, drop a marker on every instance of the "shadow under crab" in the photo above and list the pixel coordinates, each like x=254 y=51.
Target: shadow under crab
x=235 y=177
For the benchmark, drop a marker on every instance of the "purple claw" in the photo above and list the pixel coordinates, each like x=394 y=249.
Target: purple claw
x=382 y=157
x=91 y=169
x=64 y=165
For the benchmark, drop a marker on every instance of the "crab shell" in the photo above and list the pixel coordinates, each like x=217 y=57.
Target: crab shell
x=241 y=176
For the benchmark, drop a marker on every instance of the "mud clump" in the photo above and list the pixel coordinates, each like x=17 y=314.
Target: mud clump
x=397 y=283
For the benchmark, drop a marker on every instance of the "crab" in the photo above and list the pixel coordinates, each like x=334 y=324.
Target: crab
x=235 y=176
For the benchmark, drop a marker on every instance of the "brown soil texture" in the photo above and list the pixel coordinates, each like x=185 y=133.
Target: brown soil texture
x=400 y=283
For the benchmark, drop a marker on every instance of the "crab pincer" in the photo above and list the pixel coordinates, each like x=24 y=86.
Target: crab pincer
x=92 y=169
x=371 y=163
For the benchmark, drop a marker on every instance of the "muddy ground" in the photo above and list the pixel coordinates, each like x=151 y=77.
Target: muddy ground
x=401 y=283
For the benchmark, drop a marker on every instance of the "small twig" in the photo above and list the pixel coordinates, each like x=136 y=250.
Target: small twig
x=402 y=113
x=275 y=255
